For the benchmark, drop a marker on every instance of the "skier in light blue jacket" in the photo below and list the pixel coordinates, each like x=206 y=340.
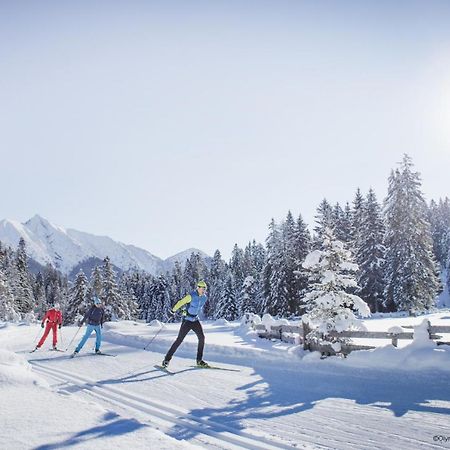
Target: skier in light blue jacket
x=190 y=306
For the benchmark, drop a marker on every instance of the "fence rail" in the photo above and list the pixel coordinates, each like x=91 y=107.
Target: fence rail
x=298 y=334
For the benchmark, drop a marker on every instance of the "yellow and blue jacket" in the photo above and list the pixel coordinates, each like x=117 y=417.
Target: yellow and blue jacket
x=191 y=305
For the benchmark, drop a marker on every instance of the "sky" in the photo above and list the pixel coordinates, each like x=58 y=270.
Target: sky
x=179 y=124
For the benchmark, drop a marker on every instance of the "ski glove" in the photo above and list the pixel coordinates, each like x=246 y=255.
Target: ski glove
x=42 y=325
x=59 y=326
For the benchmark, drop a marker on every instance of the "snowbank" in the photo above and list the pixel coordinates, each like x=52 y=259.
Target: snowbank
x=233 y=341
x=16 y=371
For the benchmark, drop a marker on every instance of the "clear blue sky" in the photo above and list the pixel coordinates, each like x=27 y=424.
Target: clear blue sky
x=171 y=125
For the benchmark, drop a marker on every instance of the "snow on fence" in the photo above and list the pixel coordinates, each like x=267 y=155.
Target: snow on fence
x=297 y=335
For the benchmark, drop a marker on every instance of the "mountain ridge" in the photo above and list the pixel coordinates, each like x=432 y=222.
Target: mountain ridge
x=67 y=248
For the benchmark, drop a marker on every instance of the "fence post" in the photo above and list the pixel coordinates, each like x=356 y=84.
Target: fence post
x=395 y=340
x=306 y=330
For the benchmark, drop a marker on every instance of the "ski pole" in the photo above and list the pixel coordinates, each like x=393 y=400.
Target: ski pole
x=36 y=338
x=60 y=335
x=156 y=334
x=70 y=343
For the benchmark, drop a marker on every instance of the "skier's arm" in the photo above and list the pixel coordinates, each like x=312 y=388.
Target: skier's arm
x=45 y=318
x=59 y=320
x=88 y=313
x=184 y=301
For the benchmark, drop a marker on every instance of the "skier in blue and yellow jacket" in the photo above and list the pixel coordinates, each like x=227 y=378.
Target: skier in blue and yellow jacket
x=191 y=306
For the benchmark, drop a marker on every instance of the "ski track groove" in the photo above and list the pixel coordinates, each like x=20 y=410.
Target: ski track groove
x=223 y=433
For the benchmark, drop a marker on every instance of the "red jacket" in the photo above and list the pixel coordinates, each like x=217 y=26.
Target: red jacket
x=53 y=315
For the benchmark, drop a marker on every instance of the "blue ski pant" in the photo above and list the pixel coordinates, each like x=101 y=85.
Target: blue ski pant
x=98 y=337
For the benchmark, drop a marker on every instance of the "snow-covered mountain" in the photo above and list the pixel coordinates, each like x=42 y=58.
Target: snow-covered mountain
x=68 y=248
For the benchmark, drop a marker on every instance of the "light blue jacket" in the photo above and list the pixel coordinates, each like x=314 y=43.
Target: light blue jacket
x=191 y=305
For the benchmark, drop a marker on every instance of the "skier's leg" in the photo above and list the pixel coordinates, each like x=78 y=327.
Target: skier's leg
x=89 y=330
x=55 y=334
x=184 y=330
x=44 y=336
x=198 y=330
x=98 y=337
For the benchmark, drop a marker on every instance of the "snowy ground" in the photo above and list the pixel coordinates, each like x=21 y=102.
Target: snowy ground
x=281 y=397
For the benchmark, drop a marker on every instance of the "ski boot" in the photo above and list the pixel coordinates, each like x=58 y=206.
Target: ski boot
x=202 y=364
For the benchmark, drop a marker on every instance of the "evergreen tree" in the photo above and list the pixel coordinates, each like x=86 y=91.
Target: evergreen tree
x=289 y=264
x=323 y=219
x=236 y=267
x=330 y=306
x=302 y=245
x=194 y=270
x=96 y=284
x=40 y=300
x=129 y=298
x=357 y=218
x=21 y=285
x=216 y=283
x=250 y=296
x=370 y=254
x=159 y=297
x=228 y=308
x=342 y=223
x=115 y=306
x=79 y=302
x=411 y=270
x=275 y=285
x=439 y=218
x=7 y=306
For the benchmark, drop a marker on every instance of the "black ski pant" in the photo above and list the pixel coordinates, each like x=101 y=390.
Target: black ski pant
x=187 y=326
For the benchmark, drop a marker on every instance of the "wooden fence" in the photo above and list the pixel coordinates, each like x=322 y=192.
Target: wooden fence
x=297 y=334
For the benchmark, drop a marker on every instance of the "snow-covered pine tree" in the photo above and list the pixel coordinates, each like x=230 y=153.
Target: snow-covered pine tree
x=7 y=306
x=194 y=270
x=275 y=287
x=134 y=284
x=357 y=214
x=115 y=306
x=176 y=285
x=323 y=219
x=159 y=297
x=228 y=308
x=302 y=245
x=40 y=300
x=439 y=218
x=79 y=301
x=127 y=294
x=249 y=295
x=370 y=254
x=252 y=291
x=411 y=271
x=290 y=264
x=237 y=269
x=216 y=283
x=341 y=223
x=21 y=283
x=330 y=307
x=259 y=261
x=96 y=284
x=144 y=300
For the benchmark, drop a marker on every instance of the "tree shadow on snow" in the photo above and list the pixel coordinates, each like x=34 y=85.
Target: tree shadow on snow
x=287 y=392
x=115 y=427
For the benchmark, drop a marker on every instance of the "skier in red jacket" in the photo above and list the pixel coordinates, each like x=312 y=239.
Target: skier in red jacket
x=54 y=319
